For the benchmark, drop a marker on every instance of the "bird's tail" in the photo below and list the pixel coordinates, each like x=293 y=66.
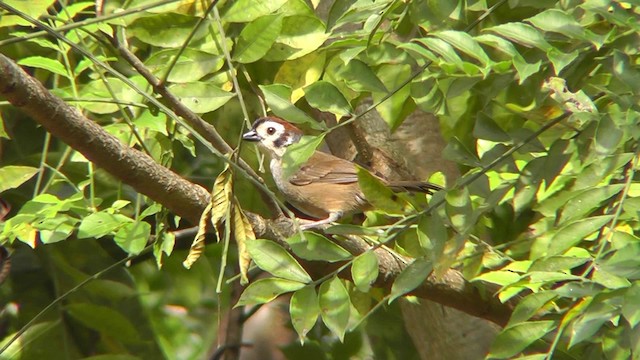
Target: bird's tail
x=414 y=186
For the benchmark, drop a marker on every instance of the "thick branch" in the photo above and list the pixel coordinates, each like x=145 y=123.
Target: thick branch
x=189 y=200
x=129 y=165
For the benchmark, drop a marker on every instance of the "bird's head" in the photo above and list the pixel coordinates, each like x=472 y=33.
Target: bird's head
x=273 y=134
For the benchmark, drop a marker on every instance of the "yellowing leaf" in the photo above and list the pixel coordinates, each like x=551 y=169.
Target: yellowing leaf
x=213 y=214
x=198 y=243
x=243 y=232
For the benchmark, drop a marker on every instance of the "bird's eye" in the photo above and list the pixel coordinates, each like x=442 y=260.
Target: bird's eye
x=271 y=130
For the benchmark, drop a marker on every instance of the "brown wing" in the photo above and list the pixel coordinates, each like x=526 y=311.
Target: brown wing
x=325 y=168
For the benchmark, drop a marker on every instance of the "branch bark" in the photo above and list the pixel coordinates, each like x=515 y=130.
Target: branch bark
x=189 y=200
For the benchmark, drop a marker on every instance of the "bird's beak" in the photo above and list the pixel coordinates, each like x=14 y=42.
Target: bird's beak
x=251 y=135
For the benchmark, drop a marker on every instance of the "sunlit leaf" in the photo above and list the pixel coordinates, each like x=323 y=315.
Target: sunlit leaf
x=359 y=77
x=575 y=232
x=249 y=10
x=588 y=324
x=12 y=176
x=523 y=34
x=100 y=224
x=380 y=196
x=529 y=306
x=133 y=236
x=322 y=95
x=298 y=153
x=201 y=97
x=257 y=38
x=301 y=72
x=48 y=64
x=465 y=43
x=516 y=338
x=278 y=98
x=153 y=30
x=192 y=65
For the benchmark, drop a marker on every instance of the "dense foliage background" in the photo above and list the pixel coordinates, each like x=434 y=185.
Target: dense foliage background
x=537 y=102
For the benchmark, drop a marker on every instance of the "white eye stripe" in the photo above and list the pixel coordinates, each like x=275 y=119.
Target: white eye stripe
x=269 y=128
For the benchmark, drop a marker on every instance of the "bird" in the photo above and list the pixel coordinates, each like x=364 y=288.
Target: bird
x=325 y=187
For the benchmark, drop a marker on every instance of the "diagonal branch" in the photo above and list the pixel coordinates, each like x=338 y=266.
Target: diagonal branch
x=189 y=200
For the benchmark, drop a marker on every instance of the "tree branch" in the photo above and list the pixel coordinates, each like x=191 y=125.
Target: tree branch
x=189 y=200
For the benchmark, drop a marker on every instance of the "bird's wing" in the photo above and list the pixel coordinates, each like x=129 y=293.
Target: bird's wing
x=325 y=168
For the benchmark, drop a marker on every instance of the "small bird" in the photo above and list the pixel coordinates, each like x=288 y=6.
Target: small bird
x=325 y=187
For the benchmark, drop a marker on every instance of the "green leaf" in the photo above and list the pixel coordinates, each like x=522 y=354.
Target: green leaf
x=560 y=59
x=153 y=30
x=586 y=201
x=393 y=110
x=298 y=153
x=323 y=96
x=523 y=68
x=359 y=77
x=558 y=21
x=33 y=8
x=192 y=65
x=575 y=232
x=300 y=35
x=486 y=128
x=630 y=308
x=465 y=43
x=499 y=277
x=133 y=236
x=523 y=34
x=608 y=136
x=278 y=97
x=335 y=306
x=257 y=38
x=529 y=306
x=459 y=209
x=458 y=152
x=274 y=259
x=444 y=49
x=432 y=235
x=301 y=72
x=381 y=197
x=364 y=270
x=13 y=176
x=100 y=224
x=304 y=310
x=515 y=339
x=201 y=97
x=428 y=96
x=557 y=263
x=104 y=319
x=264 y=290
x=592 y=319
x=312 y=246
x=625 y=70
x=56 y=228
x=410 y=278
x=48 y=64
x=610 y=280
x=31 y=335
x=598 y=170
x=249 y=10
